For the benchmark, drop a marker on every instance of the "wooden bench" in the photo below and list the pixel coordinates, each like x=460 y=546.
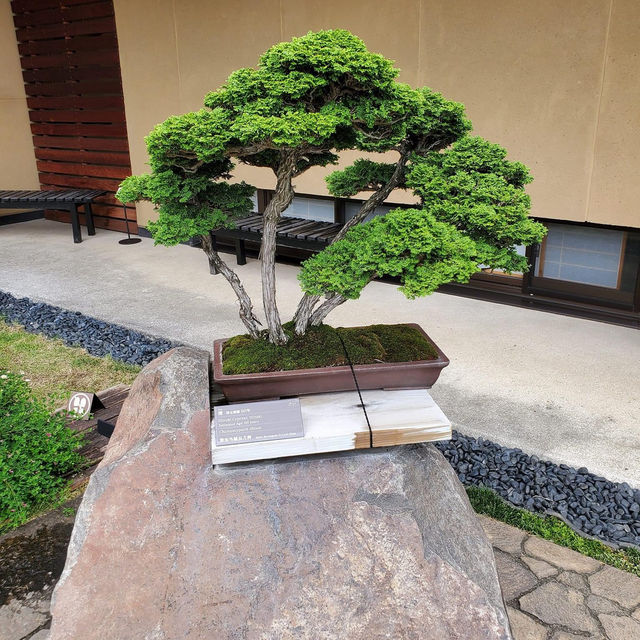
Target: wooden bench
x=67 y=199
x=297 y=233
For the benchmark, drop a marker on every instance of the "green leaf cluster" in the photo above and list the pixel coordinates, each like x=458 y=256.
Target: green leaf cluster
x=307 y=100
x=473 y=187
x=362 y=175
x=409 y=244
x=323 y=91
x=37 y=451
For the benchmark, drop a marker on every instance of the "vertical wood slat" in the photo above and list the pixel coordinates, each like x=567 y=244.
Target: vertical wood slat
x=71 y=69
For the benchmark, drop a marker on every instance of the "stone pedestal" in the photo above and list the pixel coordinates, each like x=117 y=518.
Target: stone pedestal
x=360 y=545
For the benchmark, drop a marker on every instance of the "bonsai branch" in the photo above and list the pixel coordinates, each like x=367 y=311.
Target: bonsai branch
x=305 y=314
x=378 y=197
x=325 y=309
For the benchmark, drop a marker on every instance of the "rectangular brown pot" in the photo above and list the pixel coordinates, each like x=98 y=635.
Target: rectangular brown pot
x=419 y=374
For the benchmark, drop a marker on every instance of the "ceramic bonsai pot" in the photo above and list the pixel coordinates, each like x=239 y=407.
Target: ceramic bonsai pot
x=418 y=374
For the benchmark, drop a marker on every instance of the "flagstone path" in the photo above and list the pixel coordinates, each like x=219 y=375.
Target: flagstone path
x=554 y=593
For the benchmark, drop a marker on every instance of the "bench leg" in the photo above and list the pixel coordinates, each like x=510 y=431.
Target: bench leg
x=75 y=224
x=241 y=257
x=88 y=212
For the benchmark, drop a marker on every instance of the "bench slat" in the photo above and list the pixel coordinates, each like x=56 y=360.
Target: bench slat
x=287 y=224
x=17 y=195
x=255 y=226
x=305 y=234
x=293 y=232
x=58 y=195
x=329 y=234
x=242 y=224
x=332 y=228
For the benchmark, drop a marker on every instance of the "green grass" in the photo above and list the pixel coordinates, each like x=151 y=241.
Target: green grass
x=321 y=347
x=34 y=464
x=489 y=503
x=56 y=369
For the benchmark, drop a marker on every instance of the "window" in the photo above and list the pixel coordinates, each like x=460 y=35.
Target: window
x=311 y=209
x=351 y=208
x=582 y=254
x=254 y=199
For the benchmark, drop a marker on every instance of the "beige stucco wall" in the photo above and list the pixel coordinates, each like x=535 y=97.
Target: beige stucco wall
x=17 y=159
x=555 y=83
x=615 y=184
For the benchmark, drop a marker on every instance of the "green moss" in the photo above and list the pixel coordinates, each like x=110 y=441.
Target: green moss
x=488 y=502
x=321 y=347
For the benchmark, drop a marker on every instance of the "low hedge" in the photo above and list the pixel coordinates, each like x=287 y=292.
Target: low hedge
x=38 y=451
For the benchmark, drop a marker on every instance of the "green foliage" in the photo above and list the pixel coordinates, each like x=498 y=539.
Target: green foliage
x=362 y=175
x=309 y=99
x=217 y=205
x=322 y=91
x=37 y=450
x=187 y=206
x=409 y=244
x=486 y=501
x=321 y=347
x=473 y=187
x=434 y=122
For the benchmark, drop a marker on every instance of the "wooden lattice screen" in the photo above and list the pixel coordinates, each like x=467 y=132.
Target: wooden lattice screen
x=71 y=71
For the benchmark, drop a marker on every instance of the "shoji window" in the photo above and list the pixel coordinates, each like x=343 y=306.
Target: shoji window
x=311 y=209
x=582 y=254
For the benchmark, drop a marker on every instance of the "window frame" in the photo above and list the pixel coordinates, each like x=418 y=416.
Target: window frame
x=576 y=291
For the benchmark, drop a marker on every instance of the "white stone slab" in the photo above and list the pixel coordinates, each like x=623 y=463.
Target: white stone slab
x=336 y=422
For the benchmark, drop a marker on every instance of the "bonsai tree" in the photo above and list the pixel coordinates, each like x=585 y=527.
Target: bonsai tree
x=306 y=101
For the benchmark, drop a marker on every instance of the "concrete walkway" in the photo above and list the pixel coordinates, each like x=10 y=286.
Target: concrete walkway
x=563 y=388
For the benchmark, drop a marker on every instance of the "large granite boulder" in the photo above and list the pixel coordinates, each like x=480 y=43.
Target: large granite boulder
x=361 y=545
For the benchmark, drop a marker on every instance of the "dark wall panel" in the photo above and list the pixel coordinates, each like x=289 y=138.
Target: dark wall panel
x=71 y=69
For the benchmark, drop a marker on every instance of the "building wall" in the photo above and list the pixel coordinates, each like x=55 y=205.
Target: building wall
x=17 y=160
x=555 y=83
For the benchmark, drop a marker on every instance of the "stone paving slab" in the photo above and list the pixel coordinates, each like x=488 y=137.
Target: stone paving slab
x=554 y=593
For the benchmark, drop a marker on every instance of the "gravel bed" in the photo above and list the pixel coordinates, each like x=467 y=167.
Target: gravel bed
x=589 y=504
x=75 y=329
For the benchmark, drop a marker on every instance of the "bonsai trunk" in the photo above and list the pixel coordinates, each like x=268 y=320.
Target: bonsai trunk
x=282 y=198
x=246 y=308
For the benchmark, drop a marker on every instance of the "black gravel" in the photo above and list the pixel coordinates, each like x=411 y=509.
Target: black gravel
x=592 y=505
x=589 y=504
x=75 y=329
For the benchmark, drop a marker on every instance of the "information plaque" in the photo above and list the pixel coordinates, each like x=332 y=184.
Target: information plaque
x=257 y=422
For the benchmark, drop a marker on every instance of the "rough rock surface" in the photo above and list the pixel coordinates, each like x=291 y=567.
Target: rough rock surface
x=379 y=544
x=588 y=503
